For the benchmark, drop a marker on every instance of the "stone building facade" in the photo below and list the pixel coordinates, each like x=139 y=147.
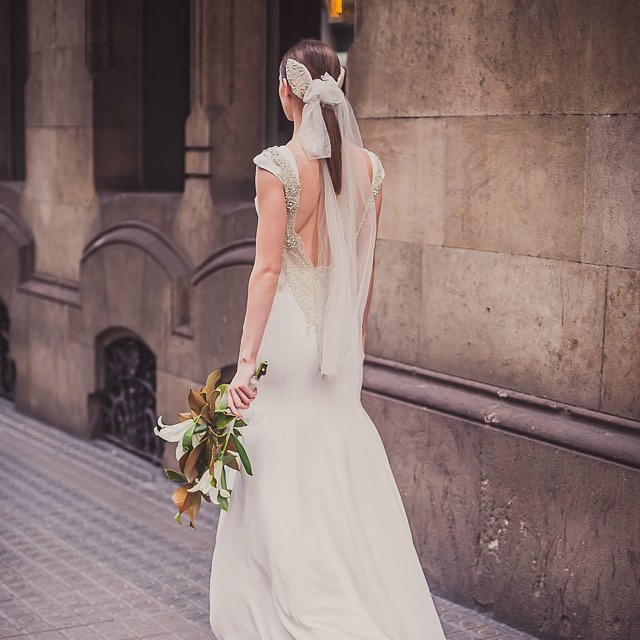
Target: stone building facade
x=503 y=366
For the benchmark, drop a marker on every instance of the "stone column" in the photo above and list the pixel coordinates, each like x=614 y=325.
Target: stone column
x=59 y=200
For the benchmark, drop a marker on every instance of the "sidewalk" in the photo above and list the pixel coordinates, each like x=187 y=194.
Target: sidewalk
x=83 y=557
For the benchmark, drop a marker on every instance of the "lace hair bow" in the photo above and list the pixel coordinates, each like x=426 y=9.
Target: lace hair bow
x=313 y=134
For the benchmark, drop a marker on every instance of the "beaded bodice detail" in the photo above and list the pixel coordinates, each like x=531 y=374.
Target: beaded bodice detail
x=308 y=283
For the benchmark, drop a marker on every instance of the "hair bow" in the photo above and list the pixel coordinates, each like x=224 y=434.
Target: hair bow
x=313 y=134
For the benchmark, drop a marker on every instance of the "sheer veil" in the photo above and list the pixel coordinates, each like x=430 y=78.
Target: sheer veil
x=346 y=225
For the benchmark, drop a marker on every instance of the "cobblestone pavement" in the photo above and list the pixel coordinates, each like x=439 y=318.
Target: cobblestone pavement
x=82 y=556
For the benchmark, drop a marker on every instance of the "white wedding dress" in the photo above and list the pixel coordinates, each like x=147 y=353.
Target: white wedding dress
x=316 y=544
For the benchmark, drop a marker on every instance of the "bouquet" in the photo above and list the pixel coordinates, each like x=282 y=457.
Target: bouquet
x=208 y=443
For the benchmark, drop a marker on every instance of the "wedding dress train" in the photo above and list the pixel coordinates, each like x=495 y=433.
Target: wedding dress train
x=316 y=544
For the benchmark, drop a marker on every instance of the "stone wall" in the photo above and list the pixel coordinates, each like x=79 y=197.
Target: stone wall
x=511 y=136
x=509 y=256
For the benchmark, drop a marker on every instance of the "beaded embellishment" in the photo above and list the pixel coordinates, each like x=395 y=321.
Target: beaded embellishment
x=308 y=283
x=378 y=174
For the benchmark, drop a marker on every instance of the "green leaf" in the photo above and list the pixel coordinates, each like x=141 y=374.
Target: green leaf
x=223 y=420
x=223 y=477
x=221 y=400
x=200 y=428
x=186 y=438
x=175 y=476
x=223 y=502
x=243 y=454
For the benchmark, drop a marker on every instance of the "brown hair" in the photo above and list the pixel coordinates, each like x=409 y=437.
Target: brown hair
x=319 y=57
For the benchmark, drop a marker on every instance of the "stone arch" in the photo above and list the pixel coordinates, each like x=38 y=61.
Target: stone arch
x=239 y=253
x=163 y=251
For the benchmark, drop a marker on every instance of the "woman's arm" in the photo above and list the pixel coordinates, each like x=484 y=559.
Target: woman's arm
x=270 y=235
x=368 y=304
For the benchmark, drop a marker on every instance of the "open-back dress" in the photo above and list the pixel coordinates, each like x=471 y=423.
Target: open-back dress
x=316 y=544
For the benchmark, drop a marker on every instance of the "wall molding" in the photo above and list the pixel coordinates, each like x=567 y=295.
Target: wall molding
x=584 y=431
x=52 y=288
x=235 y=254
x=20 y=235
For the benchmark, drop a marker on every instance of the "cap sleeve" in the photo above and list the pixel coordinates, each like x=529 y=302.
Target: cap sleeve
x=265 y=159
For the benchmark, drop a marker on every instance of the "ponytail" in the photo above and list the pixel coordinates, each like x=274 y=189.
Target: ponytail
x=334 y=163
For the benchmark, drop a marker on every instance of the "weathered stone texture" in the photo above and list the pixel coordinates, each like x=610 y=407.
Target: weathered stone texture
x=529 y=324
x=58 y=89
x=557 y=534
x=419 y=58
x=59 y=194
x=612 y=197
x=621 y=367
x=413 y=152
x=234 y=82
x=393 y=326
x=515 y=184
x=506 y=184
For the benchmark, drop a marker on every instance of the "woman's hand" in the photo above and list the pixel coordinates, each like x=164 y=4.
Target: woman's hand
x=240 y=394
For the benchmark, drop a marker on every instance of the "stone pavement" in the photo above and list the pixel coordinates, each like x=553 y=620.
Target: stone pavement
x=83 y=556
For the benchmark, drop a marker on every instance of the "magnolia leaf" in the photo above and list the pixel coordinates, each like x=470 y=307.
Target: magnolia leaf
x=187 y=437
x=221 y=400
x=223 y=478
x=243 y=454
x=174 y=476
x=201 y=428
x=218 y=467
x=223 y=502
x=191 y=507
x=183 y=460
x=179 y=495
x=210 y=384
x=223 y=420
x=207 y=416
x=190 y=468
x=196 y=401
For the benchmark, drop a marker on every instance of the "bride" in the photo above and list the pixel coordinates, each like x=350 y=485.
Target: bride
x=315 y=544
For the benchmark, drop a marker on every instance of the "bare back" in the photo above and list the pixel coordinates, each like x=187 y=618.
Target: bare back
x=309 y=172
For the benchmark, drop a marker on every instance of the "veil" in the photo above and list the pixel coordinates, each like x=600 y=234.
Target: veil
x=346 y=224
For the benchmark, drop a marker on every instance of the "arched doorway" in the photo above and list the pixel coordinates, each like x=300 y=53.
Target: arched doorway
x=126 y=400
